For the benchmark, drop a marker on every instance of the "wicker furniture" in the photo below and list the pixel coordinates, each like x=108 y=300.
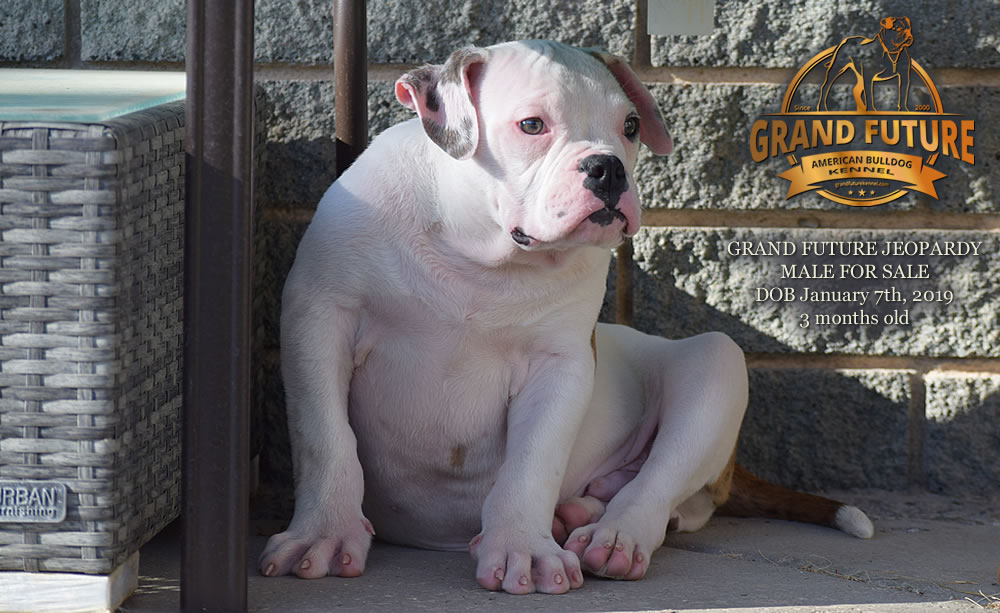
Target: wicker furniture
x=91 y=265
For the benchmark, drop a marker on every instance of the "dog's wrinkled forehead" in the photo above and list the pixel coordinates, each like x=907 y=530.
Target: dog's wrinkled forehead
x=555 y=63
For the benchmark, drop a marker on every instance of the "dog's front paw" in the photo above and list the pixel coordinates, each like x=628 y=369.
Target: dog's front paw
x=521 y=568
x=610 y=551
x=311 y=555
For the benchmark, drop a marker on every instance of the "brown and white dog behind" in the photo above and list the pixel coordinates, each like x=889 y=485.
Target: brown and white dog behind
x=446 y=384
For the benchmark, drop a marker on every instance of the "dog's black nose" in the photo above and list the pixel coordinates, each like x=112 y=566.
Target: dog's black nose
x=605 y=177
x=607 y=180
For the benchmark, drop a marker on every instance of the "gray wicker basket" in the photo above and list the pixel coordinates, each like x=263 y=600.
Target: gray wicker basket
x=91 y=267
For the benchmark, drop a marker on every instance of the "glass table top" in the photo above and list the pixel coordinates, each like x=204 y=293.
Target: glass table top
x=38 y=94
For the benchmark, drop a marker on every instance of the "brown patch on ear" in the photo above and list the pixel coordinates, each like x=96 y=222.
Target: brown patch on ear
x=442 y=97
x=593 y=345
x=723 y=485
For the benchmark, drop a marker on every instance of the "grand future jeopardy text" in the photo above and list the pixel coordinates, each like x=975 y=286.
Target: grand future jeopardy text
x=853 y=248
x=811 y=279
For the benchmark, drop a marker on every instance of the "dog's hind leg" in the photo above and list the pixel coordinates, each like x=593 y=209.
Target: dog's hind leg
x=696 y=389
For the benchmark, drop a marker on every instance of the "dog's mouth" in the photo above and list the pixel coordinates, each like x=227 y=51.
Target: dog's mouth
x=607 y=216
x=598 y=219
x=521 y=238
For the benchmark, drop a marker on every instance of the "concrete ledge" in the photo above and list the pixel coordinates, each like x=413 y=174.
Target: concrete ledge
x=66 y=592
x=912 y=565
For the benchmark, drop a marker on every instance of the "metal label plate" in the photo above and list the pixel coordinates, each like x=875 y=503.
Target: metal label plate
x=32 y=502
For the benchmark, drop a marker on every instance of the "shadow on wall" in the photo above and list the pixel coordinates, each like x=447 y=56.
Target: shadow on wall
x=961 y=452
x=804 y=428
x=820 y=429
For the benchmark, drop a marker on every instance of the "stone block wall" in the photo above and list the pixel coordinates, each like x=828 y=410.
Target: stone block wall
x=912 y=402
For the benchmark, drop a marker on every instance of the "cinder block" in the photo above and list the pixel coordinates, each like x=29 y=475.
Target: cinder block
x=132 y=30
x=296 y=32
x=270 y=441
x=458 y=23
x=786 y=34
x=963 y=433
x=824 y=429
x=300 y=157
x=277 y=239
x=688 y=282
x=300 y=160
x=711 y=167
x=299 y=32
x=31 y=30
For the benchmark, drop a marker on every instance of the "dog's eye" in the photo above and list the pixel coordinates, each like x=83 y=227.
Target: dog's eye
x=631 y=127
x=532 y=126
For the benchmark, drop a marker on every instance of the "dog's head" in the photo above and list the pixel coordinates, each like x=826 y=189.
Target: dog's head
x=556 y=130
x=901 y=35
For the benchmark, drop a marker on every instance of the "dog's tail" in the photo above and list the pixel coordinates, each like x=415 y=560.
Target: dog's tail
x=751 y=496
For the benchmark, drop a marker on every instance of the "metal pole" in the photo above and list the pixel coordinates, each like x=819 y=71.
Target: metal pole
x=350 y=66
x=624 y=283
x=217 y=285
x=642 y=56
x=624 y=264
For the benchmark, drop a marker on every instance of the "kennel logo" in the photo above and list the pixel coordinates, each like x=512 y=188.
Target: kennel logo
x=873 y=143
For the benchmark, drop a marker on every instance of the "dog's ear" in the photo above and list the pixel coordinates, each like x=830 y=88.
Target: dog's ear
x=442 y=97
x=652 y=128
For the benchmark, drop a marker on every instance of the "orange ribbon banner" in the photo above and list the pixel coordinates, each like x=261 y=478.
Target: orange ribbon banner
x=906 y=171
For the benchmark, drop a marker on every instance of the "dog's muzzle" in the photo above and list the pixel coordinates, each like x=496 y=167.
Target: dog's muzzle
x=606 y=178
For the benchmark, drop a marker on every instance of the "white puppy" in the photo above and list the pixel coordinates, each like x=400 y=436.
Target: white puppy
x=445 y=380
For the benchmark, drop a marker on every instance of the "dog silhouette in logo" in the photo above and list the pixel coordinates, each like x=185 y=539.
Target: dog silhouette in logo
x=884 y=57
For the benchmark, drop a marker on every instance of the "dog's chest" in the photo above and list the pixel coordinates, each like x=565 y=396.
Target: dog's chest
x=432 y=388
x=428 y=407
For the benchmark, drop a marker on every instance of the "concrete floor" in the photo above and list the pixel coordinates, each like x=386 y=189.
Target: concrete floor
x=929 y=554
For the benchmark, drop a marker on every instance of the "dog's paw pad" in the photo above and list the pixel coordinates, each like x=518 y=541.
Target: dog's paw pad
x=311 y=557
x=638 y=569
x=575 y=513
x=524 y=569
x=608 y=553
